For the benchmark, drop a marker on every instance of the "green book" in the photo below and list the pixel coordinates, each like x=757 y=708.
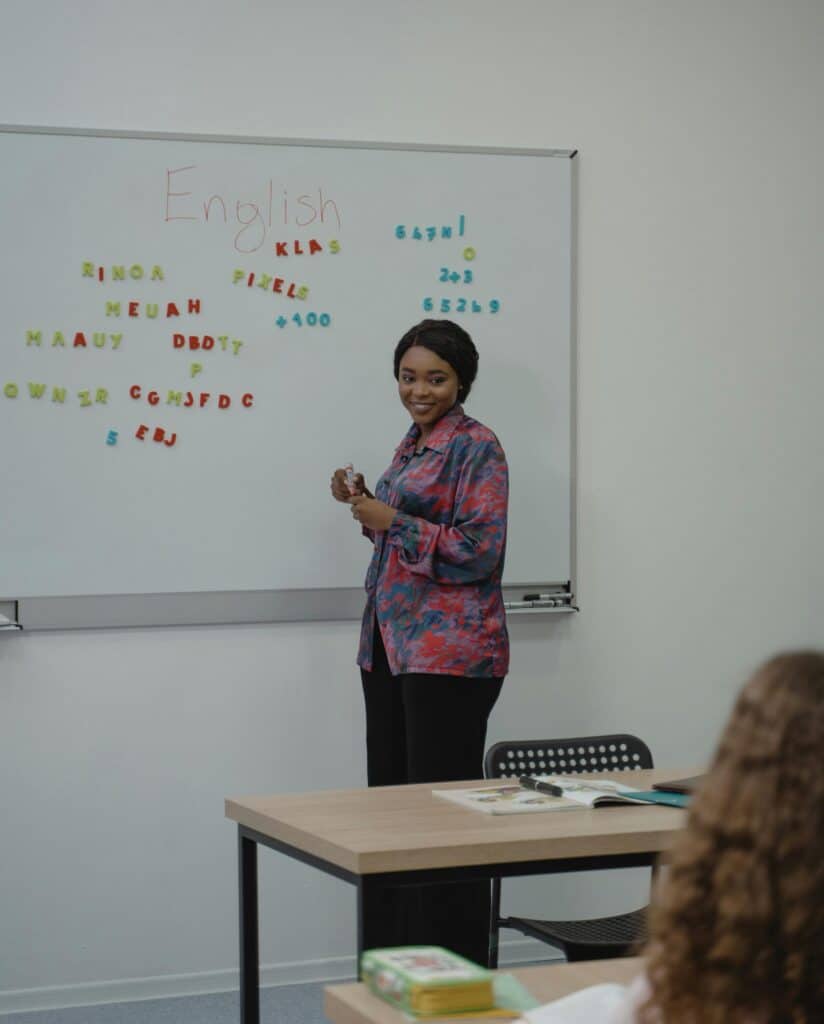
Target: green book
x=427 y=981
x=655 y=796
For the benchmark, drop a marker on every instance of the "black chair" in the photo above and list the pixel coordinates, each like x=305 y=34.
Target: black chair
x=595 y=939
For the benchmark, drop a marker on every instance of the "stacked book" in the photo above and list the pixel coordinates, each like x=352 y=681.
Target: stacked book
x=427 y=981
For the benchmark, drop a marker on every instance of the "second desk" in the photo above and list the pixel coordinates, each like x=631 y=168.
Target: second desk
x=403 y=835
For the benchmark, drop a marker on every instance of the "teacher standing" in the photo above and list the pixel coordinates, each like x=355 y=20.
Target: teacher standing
x=434 y=647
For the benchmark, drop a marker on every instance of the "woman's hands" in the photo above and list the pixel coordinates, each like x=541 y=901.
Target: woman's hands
x=369 y=512
x=366 y=509
x=340 y=488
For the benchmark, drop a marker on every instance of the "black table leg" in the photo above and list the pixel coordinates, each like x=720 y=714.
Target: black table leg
x=362 y=887
x=249 y=955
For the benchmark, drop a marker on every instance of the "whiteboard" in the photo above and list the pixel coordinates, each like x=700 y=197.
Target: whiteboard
x=198 y=330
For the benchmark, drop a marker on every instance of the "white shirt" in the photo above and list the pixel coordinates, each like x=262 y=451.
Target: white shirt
x=600 y=1004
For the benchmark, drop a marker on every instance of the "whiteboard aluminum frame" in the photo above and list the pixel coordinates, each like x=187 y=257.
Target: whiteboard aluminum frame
x=334 y=604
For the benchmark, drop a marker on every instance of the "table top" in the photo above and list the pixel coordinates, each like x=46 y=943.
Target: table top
x=353 y=1003
x=406 y=828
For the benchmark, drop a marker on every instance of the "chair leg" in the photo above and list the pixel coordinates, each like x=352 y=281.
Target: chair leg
x=494 y=928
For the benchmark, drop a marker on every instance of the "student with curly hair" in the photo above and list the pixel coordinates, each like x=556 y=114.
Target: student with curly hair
x=737 y=929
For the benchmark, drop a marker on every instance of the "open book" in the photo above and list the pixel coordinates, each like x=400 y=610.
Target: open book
x=513 y=798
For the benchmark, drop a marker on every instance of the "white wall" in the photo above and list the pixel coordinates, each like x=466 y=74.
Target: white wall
x=700 y=420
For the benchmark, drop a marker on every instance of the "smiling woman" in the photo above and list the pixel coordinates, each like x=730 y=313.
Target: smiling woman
x=434 y=647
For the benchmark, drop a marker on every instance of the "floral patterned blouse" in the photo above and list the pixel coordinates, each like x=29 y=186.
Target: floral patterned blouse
x=434 y=582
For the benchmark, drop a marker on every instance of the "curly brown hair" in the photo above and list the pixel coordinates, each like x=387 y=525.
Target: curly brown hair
x=737 y=932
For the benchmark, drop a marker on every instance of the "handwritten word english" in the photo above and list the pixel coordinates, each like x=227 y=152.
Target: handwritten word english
x=256 y=217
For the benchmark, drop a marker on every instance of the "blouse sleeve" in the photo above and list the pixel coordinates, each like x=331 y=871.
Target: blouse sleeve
x=470 y=547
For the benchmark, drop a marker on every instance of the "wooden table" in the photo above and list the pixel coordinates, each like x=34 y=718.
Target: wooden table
x=403 y=835
x=355 y=1004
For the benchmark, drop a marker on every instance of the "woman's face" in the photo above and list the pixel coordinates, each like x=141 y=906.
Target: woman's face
x=428 y=386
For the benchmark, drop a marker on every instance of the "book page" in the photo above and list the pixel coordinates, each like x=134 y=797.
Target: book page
x=589 y=792
x=505 y=799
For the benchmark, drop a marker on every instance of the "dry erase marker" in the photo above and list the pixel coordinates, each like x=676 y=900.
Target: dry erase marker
x=540 y=787
x=349 y=469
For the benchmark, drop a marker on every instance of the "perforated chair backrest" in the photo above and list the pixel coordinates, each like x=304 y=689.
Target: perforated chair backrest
x=566 y=756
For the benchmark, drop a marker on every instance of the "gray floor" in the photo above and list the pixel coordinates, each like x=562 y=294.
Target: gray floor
x=280 y=1004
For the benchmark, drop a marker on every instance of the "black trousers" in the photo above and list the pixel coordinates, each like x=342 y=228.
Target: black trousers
x=427 y=728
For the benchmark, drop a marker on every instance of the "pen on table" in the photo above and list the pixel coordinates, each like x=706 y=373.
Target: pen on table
x=540 y=787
